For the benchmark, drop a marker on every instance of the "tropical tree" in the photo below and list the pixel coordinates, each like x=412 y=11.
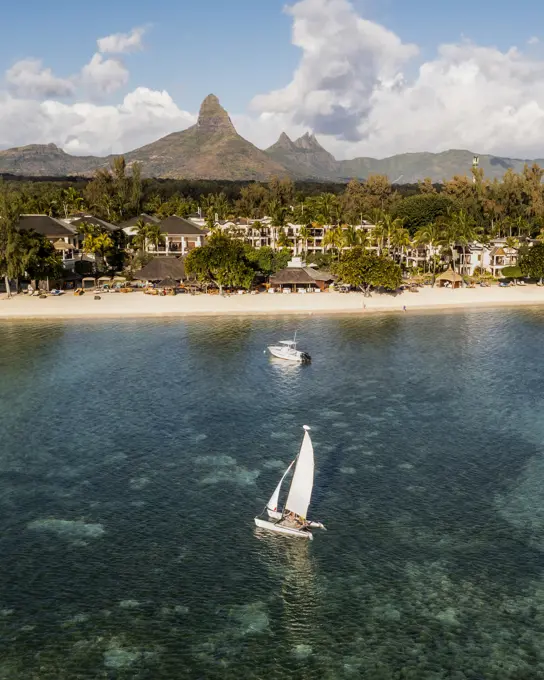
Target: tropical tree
x=430 y=236
x=532 y=263
x=139 y=240
x=222 y=261
x=400 y=239
x=357 y=267
x=266 y=260
x=10 y=211
x=282 y=240
x=155 y=235
x=353 y=236
x=334 y=240
x=459 y=229
x=72 y=201
x=305 y=235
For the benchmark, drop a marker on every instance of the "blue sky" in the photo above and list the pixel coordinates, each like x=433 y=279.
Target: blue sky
x=235 y=48
x=374 y=87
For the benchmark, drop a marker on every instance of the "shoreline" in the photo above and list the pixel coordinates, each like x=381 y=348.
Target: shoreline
x=138 y=305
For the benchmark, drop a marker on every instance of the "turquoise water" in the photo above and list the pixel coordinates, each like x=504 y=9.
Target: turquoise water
x=134 y=455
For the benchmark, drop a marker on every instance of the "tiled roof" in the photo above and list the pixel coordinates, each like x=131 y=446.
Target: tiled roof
x=45 y=225
x=181 y=226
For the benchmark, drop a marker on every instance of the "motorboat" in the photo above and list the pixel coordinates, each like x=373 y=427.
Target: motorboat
x=287 y=349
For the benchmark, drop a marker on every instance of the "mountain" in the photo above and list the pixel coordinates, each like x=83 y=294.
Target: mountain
x=304 y=157
x=46 y=160
x=212 y=149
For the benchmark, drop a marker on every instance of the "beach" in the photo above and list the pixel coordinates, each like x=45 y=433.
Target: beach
x=137 y=304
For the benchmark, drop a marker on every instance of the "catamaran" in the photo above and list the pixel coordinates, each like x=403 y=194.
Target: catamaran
x=292 y=519
x=287 y=349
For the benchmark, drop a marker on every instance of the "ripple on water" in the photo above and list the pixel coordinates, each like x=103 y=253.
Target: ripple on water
x=393 y=588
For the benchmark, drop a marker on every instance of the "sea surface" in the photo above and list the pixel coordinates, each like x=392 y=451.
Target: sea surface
x=135 y=454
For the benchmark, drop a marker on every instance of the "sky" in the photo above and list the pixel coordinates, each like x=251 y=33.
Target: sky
x=368 y=77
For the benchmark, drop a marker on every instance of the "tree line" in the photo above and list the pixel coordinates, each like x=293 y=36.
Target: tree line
x=442 y=216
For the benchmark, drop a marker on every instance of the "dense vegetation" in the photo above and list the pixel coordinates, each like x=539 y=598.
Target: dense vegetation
x=456 y=213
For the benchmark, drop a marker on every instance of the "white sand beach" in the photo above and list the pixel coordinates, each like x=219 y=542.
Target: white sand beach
x=116 y=305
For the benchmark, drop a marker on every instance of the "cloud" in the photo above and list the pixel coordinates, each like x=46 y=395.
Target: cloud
x=533 y=41
x=122 y=43
x=28 y=78
x=356 y=86
x=104 y=76
x=143 y=116
x=344 y=59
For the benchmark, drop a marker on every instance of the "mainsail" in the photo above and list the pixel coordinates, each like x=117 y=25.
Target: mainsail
x=273 y=502
x=302 y=484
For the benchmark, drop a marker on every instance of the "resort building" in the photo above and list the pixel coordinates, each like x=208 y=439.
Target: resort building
x=179 y=235
x=502 y=256
x=60 y=233
x=260 y=233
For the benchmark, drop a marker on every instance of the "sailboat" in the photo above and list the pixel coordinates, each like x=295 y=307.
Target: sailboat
x=292 y=519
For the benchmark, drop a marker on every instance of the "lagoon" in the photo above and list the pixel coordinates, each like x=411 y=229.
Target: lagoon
x=134 y=455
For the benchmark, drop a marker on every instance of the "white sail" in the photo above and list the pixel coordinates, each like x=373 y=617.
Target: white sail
x=273 y=502
x=302 y=484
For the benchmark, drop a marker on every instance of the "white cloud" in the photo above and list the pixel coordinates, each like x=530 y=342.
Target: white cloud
x=533 y=41
x=28 y=78
x=121 y=43
x=352 y=85
x=344 y=59
x=84 y=128
x=356 y=86
x=104 y=76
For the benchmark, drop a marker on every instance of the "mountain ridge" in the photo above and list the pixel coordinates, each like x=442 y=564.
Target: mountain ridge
x=213 y=149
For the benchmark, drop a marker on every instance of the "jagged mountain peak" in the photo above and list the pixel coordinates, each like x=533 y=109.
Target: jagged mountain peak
x=308 y=141
x=284 y=143
x=213 y=117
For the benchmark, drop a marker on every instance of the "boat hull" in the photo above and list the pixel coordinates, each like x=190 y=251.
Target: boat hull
x=296 y=356
x=278 y=528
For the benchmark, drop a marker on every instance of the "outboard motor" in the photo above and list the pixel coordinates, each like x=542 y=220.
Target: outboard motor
x=306 y=358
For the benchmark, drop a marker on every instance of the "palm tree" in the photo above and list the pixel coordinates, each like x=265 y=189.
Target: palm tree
x=155 y=235
x=10 y=210
x=334 y=239
x=278 y=215
x=282 y=240
x=139 y=240
x=98 y=243
x=400 y=239
x=352 y=236
x=305 y=235
x=459 y=229
x=71 y=201
x=327 y=207
x=430 y=237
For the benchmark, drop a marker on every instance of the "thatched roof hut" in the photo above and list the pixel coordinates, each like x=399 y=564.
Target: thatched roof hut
x=450 y=276
x=302 y=276
x=160 y=268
